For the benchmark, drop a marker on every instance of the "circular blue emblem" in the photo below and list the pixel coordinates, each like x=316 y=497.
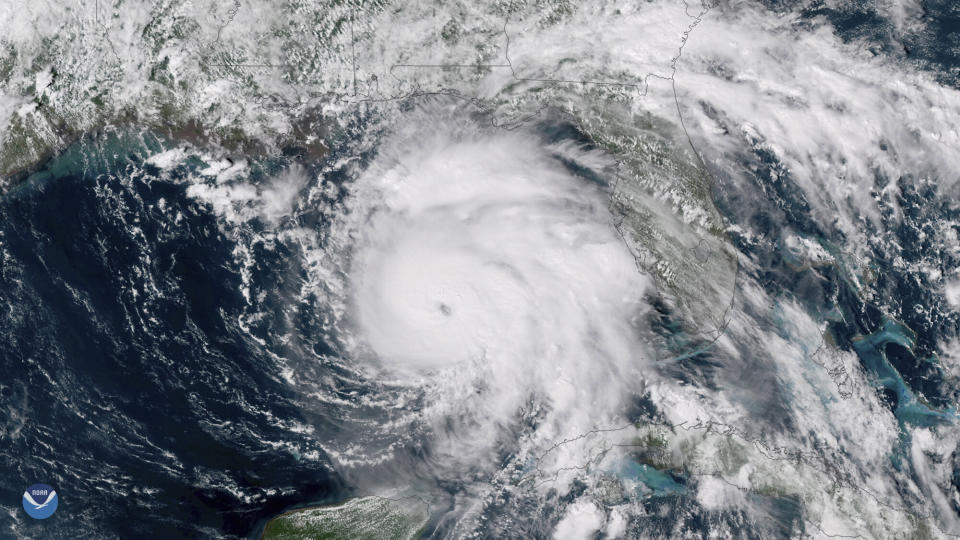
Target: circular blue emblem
x=40 y=501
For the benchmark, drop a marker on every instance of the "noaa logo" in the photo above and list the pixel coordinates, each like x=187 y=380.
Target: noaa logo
x=40 y=501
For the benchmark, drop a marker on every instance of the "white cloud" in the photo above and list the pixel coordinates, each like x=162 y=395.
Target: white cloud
x=582 y=521
x=481 y=268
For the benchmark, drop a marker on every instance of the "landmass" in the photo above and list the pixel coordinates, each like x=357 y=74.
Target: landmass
x=360 y=518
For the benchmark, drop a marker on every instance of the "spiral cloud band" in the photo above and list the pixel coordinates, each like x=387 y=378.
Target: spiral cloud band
x=487 y=271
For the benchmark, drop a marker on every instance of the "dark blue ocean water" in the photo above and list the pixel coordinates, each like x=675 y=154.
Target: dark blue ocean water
x=896 y=328
x=135 y=390
x=930 y=39
x=127 y=383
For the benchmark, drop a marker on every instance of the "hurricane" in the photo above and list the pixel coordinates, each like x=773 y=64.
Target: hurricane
x=552 y=269
x=484 y=266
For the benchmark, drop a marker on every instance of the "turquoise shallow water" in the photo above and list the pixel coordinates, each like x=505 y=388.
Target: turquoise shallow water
x=909 y=409
x=661 y=483
x=872 y=351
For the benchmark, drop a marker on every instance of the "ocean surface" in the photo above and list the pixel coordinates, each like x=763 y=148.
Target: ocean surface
x=130 y=386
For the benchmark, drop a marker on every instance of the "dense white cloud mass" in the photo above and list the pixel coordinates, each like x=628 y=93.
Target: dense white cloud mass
x=471 y=269
x=583 y=520
x=483 y=248
x=834 y=115
x=684 y=299
x=481 y=267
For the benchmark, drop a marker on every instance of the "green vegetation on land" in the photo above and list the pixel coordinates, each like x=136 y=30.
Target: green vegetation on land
x=373 y=518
